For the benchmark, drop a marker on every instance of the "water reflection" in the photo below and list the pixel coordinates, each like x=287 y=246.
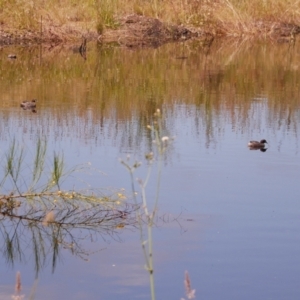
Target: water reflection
x=118 y=87
x=213 y=101
x=37 y=213
x=260 y=149
x=47 y=231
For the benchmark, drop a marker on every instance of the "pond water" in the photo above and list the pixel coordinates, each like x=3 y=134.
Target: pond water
x=228 y=215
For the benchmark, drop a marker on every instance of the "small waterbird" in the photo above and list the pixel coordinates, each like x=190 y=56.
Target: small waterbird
x=257 y=145
x=28 y=104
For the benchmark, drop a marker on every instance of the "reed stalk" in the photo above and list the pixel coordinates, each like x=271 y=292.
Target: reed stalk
x=146 y=214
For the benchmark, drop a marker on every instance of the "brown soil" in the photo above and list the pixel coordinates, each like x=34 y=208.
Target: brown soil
x=140 y=31
x=134 y=31
x=137 y=31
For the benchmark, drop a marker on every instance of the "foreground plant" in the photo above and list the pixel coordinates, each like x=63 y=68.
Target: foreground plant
x=146 y=214
x=18 y=288
x=36 y=211
x=189 y=292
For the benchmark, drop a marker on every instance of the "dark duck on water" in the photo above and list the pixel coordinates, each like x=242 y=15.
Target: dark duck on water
x=255 y=145
x=29 y=104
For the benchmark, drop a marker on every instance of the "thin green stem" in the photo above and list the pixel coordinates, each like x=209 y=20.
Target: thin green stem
x=151 y=268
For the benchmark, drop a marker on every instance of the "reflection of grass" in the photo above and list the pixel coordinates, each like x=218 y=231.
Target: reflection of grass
x=115 y=86
x=36 y=206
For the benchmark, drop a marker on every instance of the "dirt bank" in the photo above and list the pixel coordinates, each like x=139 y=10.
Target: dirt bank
x=140 y=31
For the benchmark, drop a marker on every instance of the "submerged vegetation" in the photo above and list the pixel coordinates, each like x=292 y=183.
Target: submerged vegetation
x=65 y=20
x=37 y=213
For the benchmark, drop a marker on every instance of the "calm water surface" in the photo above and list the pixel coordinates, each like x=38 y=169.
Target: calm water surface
x=228 y=215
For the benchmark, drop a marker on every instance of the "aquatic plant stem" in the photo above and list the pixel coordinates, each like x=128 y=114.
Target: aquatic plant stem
x=150 y=217
x=160 y=150
x=151 y=269
x=148 y=255
x=149 y=214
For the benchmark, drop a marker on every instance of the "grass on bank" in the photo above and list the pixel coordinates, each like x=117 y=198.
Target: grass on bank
x=69 y=17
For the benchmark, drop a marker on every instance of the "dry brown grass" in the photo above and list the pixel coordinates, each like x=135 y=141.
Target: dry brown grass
x=68 y=18
x=260 y=18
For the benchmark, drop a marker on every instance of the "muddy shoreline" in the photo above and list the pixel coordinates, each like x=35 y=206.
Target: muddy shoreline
x=141 y=31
